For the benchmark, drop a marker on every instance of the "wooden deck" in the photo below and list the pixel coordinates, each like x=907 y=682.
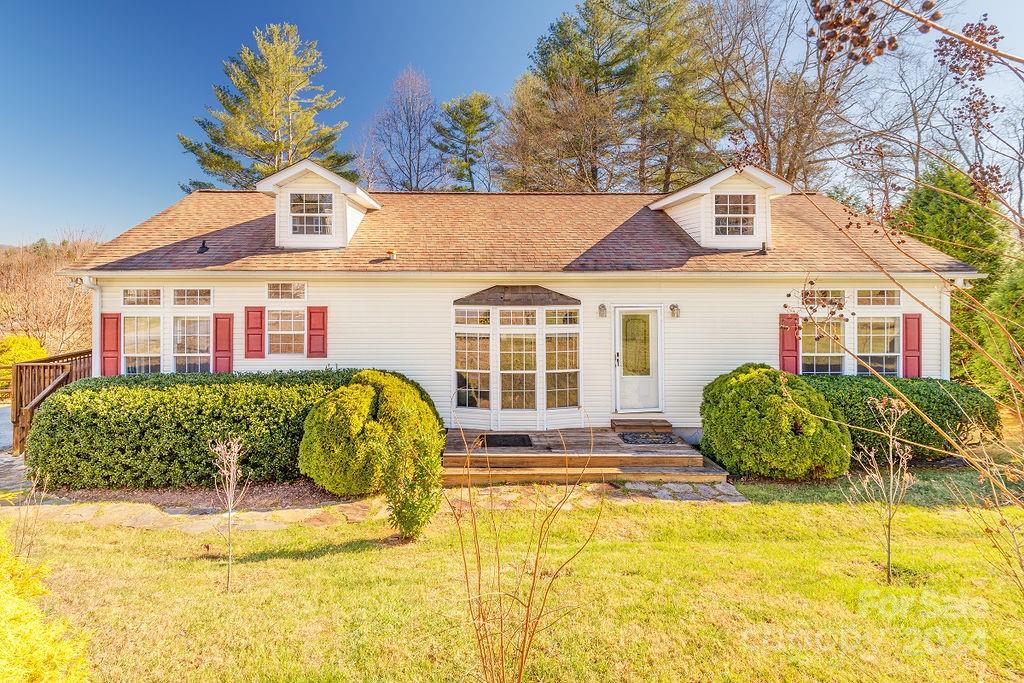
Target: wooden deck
x=570 y=455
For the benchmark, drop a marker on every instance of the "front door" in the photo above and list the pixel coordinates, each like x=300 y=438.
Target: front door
x=637 y=371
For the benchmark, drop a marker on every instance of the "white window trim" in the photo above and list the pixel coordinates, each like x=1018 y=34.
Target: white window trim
x=305 y=330
x=173 y=356
x=160 y=336
x=133 y=307
x=843 y=365
x=715 y=215
x=276 y=302
x=184 y=306
x=898 y=354
x=333 y=214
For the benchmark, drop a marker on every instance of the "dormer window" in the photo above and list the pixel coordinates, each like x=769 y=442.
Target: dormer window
x=734 y=214
x=312 y=213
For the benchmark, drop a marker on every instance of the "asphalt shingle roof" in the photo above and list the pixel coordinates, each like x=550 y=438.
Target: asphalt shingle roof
x=503 y=232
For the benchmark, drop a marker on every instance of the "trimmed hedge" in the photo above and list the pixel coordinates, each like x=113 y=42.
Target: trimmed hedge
x=154 y=430
x=378 y=435
x=755 y=426
x=955 y=407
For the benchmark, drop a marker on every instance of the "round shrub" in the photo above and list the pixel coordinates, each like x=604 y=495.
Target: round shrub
x=956 y=408
x=759 y=421
x=379 y=434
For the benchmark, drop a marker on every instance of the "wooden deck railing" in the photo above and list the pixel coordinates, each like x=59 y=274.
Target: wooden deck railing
x=33 y=381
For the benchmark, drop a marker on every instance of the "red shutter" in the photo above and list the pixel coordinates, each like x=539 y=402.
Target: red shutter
x=255 y=331
x=110 y=344
x=789 y=343
x=223 y=341
x=911 y=344
x=316 y=332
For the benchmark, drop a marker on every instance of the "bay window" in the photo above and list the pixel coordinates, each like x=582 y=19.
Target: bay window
x=517 y=358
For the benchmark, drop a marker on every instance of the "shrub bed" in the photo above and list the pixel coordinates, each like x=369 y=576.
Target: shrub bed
x=378 y=434
x=154 y=430
x=956 y=408
x=759 y=421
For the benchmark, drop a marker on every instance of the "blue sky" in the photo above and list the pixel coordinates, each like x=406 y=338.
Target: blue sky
x=95 y=92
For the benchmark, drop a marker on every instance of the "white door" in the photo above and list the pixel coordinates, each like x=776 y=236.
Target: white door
x=637 y=371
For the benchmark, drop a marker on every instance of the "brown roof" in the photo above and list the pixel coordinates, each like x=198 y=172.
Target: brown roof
x=517 y=295
x=495 y=232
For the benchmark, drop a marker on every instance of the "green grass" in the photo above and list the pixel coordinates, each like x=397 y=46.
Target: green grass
x=931 y=488
x=785 y=589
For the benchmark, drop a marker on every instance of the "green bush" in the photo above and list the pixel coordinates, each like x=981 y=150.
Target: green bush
x=379 y=434
x=154 y=430
x=753 y=425
x=956 y=408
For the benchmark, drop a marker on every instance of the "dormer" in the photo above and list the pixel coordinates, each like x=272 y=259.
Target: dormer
x=315 y=208
x=729 y=210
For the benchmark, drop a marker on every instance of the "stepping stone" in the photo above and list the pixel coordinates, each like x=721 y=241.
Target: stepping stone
x=642 y=486
x=295 y=515
x=264 y=524
x=322 y=518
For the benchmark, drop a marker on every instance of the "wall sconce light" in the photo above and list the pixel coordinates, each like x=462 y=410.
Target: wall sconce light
x=674 y=310
x=602 y=311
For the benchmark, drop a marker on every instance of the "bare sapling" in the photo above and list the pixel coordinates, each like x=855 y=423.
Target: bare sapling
x=24 y=529
x=510 y=599
x=885 y=477
x=231 y=487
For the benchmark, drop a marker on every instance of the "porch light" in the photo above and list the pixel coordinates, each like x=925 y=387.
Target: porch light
x=602 y=311
x=674 y=310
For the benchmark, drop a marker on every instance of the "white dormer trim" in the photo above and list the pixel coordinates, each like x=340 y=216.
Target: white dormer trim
x=693 y=207
x=272 y=183
x=775 y=186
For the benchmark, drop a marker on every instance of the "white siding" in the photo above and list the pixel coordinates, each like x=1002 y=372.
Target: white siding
x=405 y=324
x=688 y=216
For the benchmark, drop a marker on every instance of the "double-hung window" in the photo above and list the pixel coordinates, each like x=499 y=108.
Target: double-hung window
x=734 y=214
x=821 y=347
x=878 y=345
x=472 y=370
x=141 y=336
x=286 y=331
x=312 y=213
x=191 y=344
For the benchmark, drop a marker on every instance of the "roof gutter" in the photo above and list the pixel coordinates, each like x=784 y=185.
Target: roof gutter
x=507 y=275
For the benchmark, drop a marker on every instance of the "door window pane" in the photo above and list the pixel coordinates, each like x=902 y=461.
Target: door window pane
x=636 y=345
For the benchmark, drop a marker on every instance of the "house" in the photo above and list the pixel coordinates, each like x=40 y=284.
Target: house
x=515 y=311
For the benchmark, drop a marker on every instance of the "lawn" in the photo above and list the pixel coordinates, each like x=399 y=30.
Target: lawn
x=779 y=590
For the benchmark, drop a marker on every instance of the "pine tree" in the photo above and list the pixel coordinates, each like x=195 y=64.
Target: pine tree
x=667 y=97
x=963 y=230
x=268 y=115
x=465 y=128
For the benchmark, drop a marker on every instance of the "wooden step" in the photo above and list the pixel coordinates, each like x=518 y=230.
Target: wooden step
x=559 y=460
x=641 y=425
x=457 y=476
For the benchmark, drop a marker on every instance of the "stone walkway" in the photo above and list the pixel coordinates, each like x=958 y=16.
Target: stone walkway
x=203 y=520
